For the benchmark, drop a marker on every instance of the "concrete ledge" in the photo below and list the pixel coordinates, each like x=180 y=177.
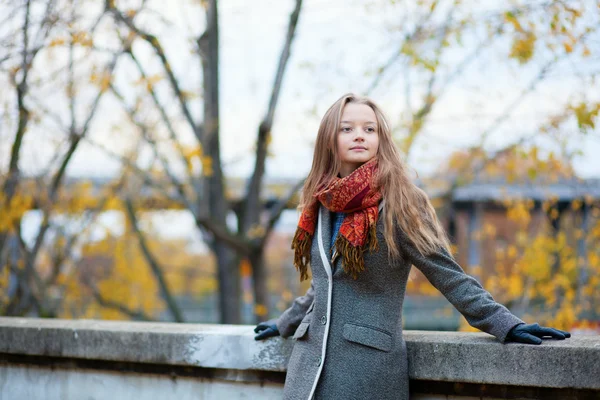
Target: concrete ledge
x=475 y=358
x=202 y=345
x=480 y=358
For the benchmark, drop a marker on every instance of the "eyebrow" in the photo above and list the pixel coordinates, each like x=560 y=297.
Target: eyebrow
x=366 y=122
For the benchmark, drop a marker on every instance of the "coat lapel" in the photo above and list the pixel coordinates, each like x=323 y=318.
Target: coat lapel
x=324 y=237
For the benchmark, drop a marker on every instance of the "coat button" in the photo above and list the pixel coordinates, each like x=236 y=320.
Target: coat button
x=319 y=360
x=323 y=319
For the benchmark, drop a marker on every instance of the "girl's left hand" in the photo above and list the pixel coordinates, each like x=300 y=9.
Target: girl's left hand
x=533 y=334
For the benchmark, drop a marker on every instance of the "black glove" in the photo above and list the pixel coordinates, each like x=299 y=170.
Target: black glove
x=266 y=329
x=533 y=333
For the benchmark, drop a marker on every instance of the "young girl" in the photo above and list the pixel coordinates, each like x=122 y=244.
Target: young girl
x=363 y=225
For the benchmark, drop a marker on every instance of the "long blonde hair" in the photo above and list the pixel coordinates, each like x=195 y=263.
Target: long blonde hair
x=405 y=204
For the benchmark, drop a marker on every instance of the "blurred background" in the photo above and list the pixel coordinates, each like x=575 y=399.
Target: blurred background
x=151 y=152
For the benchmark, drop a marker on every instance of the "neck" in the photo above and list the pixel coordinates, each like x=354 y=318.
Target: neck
x=347 y=169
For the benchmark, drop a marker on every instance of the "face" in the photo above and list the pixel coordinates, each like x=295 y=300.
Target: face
x=357 y=137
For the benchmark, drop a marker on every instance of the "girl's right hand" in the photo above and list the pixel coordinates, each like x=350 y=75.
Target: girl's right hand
x=266 y=329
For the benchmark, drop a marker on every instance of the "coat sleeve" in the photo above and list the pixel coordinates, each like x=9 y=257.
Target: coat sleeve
x=464 y=292
x=291 y=318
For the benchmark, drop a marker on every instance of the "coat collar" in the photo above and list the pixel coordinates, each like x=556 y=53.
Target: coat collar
x=325 y=230
x=325 y=227
x=324 y=235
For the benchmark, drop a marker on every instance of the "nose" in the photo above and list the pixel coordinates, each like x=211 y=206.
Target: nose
x=359 y=135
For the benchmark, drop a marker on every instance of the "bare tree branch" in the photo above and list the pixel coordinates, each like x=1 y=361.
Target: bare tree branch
x=500 y=119
x=429 y=99
x=140 y=173
x=155 y=43
x=157 y=270
x=252 y=204
x=223 y=235
x=10 y=184
x=29 y=281
x=207 y=223
x=132 y=114
x=164 y=117
x=137 y=315
x=91 y=215
x=394 y=57
x=75 y=139
x=421 y=31
x=281 y=205
x=47 y=22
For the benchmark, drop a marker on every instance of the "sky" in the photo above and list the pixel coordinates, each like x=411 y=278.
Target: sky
x=338 y=44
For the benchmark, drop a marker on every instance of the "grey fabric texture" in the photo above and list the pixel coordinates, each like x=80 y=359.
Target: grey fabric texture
x=365 y=353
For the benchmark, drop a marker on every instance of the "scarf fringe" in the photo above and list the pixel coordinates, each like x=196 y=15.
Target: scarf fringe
x=355 y=195
x=353 y=261
x=372 y=240
x=301 y=246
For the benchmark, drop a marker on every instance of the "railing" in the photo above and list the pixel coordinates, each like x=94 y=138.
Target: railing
x=81 y=359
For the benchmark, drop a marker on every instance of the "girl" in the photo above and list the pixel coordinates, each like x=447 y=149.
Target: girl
x=363 y=225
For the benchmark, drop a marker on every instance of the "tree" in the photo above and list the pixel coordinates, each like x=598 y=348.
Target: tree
x=207 y=200
x=540 y=41
x=545 y=42
x=40 y=32
x=539 y=257
x=547 y=267
x=161 y=123
x=116 y=33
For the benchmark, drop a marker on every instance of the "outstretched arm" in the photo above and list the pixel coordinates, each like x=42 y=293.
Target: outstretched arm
x=289 y=320
x=475 y=303
x=462 y=290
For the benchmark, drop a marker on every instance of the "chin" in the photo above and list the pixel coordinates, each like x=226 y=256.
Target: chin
x=360 y=160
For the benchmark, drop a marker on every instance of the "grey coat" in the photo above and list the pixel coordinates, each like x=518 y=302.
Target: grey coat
x=348 y=333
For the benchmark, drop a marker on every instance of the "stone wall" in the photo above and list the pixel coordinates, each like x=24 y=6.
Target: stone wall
x=85 y=359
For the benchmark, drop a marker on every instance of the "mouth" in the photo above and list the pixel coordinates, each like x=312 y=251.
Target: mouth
x=357 y=148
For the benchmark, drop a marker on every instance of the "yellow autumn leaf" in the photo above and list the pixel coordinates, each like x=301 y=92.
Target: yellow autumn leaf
x=568 y=47
x=586 y=52
x=523 y=47
x=56 y=42
x=260 y=310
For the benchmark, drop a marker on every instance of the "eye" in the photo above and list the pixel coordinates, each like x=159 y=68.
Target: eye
x=346 y=129
x=370 y=129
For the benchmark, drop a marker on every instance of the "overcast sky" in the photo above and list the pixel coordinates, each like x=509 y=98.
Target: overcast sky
x=338 y=41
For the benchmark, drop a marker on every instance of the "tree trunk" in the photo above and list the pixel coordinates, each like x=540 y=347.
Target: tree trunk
x=229 y=284
x=212 y=186
x=259 y=283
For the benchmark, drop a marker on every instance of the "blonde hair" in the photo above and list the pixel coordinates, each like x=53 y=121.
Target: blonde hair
x=405 y=204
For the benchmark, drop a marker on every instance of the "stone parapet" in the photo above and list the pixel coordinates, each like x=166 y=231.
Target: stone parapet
x=440 y=363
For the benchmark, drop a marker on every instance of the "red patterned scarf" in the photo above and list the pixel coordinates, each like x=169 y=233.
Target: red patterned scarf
x=355 y=196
